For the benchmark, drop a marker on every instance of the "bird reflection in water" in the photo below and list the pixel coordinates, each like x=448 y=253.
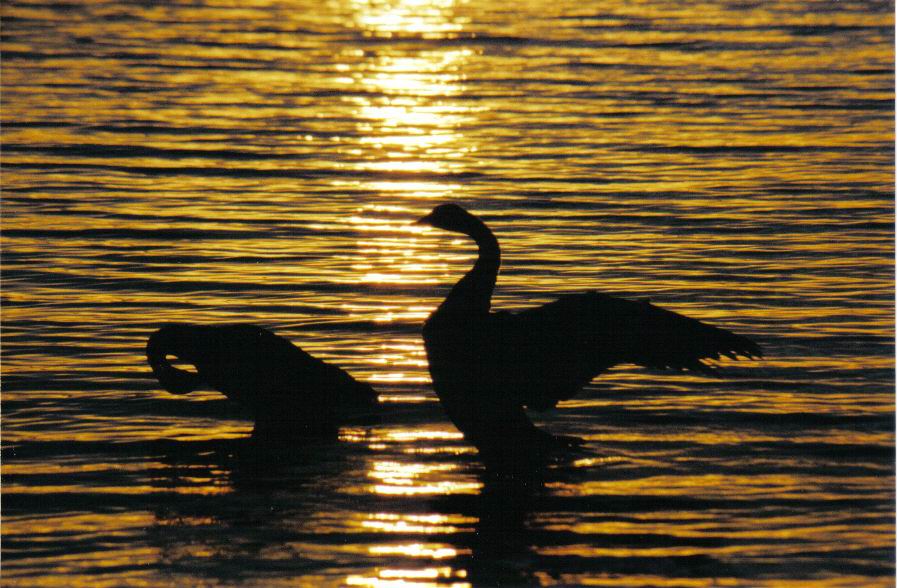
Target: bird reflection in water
x=487 y=366
x=290 y=393
x=247 y=501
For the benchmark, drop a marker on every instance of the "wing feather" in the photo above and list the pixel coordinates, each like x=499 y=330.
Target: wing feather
x=553 y=350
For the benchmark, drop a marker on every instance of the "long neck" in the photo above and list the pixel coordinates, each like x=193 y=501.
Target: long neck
x=473 y=293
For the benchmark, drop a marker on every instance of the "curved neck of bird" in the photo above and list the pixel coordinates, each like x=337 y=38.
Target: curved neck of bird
x=473 y=293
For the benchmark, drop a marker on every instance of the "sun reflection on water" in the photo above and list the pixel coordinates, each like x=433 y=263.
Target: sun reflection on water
x=417 y=523
x=399 y=578
x=407 y=479
x=408 y=143
x=429 y=17
x=409 y=124
x=422 y=550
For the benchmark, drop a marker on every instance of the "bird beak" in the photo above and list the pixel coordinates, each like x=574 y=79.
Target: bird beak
x=424 y=221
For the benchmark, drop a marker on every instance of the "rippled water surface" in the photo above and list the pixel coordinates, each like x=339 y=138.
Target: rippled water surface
x=259 y=162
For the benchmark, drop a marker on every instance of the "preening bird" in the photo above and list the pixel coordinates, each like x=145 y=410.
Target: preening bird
x=289 y=392
x=487 y=366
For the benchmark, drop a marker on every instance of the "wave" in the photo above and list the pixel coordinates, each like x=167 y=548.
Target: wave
x=248 y=173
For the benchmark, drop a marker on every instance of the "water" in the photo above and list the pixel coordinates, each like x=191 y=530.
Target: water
x=259 y=162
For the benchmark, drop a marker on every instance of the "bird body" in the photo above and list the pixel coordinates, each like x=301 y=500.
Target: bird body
x=288 y=391
x=486 y=366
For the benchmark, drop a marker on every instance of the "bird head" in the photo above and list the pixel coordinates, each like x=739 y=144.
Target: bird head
x=450 y=217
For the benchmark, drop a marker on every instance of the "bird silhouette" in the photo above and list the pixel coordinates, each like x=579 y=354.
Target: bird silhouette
x=487 y=366
x=289 y=392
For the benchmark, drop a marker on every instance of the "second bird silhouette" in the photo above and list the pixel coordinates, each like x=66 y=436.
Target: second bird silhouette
x=487 y=366
x=290 y=393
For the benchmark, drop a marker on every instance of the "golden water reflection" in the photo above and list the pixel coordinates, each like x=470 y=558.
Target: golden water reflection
x=414 y=479
x=408 y=120
x=399 y=578
x=428 y=524
x=422 y=550
x=432 y=18
x=407 y=143
x=400 y=478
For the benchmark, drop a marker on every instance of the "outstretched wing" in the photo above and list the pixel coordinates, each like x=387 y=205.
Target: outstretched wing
x=557 y=348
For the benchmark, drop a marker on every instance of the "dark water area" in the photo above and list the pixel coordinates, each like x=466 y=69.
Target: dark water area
x=261 y=162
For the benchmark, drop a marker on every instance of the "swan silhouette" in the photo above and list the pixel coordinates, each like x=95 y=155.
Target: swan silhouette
x=289 y=392
x=487 y=366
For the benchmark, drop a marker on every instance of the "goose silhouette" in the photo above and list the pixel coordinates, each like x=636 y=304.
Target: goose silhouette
x=289 y=392
x=487 y=366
